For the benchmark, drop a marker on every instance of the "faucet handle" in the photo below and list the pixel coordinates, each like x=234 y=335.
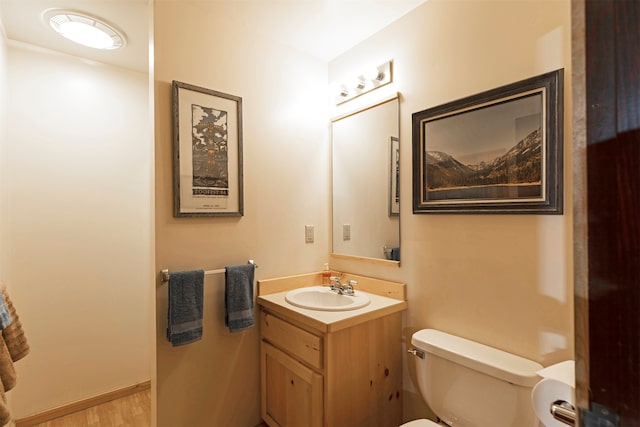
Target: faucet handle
x=334 y=282
x=349 y=287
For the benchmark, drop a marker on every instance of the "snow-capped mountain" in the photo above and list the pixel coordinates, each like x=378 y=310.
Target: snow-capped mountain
x=521 y=164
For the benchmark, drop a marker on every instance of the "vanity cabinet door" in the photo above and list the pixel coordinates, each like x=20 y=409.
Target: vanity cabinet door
x=291 y=392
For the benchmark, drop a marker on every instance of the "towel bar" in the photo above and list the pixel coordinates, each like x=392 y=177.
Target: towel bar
x=164 y=274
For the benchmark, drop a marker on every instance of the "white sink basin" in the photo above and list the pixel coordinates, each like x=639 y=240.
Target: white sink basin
x=324 y=299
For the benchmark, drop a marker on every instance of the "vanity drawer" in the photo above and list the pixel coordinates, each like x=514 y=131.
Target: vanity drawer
x=300 y=343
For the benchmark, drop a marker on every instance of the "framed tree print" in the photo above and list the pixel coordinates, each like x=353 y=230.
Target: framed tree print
x=207 y=147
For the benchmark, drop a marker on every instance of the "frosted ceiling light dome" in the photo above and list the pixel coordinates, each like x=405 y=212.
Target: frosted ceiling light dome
x=84 y=29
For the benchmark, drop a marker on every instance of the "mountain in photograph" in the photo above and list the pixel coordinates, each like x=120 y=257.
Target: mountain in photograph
x=522 y=164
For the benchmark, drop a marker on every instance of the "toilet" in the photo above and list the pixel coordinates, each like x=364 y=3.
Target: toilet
x=469 y=384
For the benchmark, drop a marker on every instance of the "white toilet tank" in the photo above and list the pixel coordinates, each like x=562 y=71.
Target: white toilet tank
x=469 y=384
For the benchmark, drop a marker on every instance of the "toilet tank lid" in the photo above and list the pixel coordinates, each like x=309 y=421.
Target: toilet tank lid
x=479 y=357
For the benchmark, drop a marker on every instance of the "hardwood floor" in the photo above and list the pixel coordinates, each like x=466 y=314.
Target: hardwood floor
x=133 y=410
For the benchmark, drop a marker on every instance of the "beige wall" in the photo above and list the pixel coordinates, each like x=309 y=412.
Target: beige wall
x=503 y=280
x=3 y=137
x=78 y=178
x=215 y=381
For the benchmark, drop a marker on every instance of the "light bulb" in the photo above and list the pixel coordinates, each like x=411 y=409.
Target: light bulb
x=357 y=83
x=373 y=74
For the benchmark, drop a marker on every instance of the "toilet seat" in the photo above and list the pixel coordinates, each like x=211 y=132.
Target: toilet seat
x=421 y=423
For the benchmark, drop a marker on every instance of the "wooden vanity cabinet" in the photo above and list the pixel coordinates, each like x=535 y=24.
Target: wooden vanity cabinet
x=348 y=377
x=292 y=392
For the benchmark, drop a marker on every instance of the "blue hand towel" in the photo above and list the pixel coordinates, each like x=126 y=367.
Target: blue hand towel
x=239 y=297
x=395 y=254
x=186 y=294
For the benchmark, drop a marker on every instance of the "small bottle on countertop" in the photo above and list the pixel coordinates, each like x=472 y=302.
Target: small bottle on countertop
x=326 y=275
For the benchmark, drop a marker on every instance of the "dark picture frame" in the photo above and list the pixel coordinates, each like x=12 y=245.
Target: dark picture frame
x=499 y=151
x=207 y=152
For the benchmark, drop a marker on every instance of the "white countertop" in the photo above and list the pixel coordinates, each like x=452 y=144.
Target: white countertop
x=331 y=321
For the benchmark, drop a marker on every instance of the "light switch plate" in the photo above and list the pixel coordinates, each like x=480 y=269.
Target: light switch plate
x=308 y=233
x=346 y=231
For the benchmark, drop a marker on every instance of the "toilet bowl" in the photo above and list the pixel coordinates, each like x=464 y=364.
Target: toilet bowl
x=468 y=384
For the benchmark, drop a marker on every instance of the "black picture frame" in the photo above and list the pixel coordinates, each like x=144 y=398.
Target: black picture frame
x=207 y=152
x=496 y=152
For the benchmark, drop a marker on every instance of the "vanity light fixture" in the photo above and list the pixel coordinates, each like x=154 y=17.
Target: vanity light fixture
x=84 y=29
x=369 y=80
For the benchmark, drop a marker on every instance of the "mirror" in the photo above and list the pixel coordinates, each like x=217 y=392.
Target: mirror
x=365 y=191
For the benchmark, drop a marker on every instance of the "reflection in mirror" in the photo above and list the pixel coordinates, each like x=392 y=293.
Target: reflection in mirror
x=365 y=198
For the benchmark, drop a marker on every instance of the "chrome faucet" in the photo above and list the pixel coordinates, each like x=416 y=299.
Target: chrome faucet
x=335 y=284
x=341 y=289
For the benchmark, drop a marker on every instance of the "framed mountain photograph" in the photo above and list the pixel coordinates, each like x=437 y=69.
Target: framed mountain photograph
x=499 y=151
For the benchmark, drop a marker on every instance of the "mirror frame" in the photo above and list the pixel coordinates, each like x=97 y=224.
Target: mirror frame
x=332 y=254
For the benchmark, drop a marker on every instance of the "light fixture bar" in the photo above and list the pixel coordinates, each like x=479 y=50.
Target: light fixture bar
x=364 y=83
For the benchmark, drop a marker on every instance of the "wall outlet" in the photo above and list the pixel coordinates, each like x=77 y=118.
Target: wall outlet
x=308 y=233
x=346 y=231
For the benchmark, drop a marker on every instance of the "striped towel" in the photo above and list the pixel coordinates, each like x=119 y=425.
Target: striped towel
x=5 y=316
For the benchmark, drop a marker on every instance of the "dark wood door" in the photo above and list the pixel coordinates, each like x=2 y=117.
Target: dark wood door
x=612 y=51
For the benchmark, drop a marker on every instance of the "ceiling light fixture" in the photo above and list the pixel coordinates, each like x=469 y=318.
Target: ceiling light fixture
x=369 y=80
x=85 y=29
